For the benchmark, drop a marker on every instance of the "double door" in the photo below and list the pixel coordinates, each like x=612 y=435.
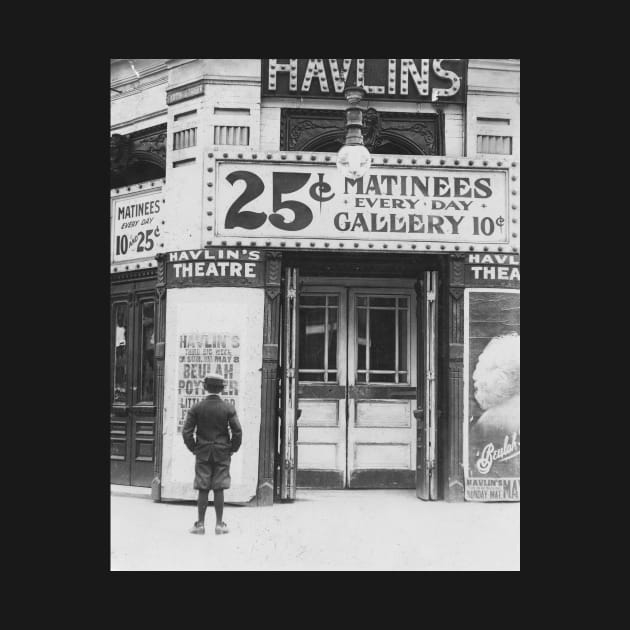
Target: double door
x=132 y=391
x=357 y=386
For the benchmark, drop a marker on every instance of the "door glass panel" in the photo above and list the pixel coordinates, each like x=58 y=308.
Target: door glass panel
x=402 y=340
x=382 y=339
x=361 y=338
x=147 y=352
x=312 y=300
x=120 y=352
x=332 y=339
x=318 y=338
x=380 y=301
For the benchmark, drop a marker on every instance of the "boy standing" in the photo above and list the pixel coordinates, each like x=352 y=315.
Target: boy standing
x=213 y=448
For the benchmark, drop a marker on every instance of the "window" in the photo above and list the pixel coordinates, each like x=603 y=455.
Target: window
x=382 y=339
x=318 y=338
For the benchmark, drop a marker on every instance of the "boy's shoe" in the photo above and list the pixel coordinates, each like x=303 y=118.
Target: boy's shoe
x=221 y=528
x=198 y=528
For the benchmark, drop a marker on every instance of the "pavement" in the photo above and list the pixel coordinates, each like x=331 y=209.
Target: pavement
x=322 y=530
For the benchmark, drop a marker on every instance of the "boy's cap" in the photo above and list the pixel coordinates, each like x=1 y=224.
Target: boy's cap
x=214 y=380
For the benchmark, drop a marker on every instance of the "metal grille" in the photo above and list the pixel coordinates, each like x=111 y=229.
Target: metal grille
x=231 y=135
x=494 y=144
x=185 y=139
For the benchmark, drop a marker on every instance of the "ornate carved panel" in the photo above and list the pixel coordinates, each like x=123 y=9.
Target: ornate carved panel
x=456 y=276
x=138 y=156
x=383 y=132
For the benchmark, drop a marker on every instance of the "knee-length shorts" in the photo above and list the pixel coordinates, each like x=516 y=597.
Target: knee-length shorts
x=214 y=474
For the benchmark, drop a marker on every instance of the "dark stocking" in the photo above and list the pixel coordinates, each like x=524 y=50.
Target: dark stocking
x=218 y=505
x=202 y=504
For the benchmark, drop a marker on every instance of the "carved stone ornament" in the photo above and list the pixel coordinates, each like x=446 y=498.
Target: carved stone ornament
x=273 y=269
x=127 y=152
x=383 y=132
x=457 y=270
x=119 y=147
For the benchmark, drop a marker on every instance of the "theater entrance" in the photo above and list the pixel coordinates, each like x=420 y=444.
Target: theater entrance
x=353 y=388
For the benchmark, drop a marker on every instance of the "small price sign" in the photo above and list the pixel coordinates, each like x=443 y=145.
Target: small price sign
x=137 y=224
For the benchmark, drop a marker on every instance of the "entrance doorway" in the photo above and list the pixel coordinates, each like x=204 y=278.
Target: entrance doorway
x=359 y=378
x=357 y=383
x=133 y=395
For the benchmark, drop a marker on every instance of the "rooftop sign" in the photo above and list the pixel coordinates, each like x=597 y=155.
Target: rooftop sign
x=395 y=79
x=402 y=203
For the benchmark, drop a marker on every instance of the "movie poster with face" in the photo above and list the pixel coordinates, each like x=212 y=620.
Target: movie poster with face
x=492 y=395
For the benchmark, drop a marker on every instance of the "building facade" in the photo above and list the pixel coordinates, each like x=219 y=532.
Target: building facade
x=368 y=330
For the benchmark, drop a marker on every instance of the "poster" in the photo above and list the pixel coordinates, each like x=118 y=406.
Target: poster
x=201 y=355
x=492 y=366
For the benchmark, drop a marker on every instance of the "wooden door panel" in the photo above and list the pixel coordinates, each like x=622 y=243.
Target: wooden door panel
x=381 y=426
x=321 y=443
x=322 y=423
x=318 y=455
x=143 y=423
x=319 y=413
x=392 y=455
x=384 y=413
x=120 y=471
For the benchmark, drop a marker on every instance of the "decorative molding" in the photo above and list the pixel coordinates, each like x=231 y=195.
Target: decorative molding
x=415 y=134
x=457 y=270
x=210 y=79
x=456 y=411
x=135 y=87
x=141 y=274
x=161 y=269
x=509 y=65
x=273 y=262
x=140 y=119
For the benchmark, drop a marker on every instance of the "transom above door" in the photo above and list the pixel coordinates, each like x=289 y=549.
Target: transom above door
x=357 y=366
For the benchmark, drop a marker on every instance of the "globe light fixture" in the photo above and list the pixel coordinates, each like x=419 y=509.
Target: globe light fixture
x=353 y=159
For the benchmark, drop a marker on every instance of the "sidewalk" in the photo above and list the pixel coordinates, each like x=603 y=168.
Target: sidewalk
x=321 y=530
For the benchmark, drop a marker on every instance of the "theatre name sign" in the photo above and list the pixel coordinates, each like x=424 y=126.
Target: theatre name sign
x=419 y=80
x=406 y=203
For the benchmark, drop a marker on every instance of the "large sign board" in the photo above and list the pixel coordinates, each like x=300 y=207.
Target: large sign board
x=398 y=79
x=492 y=395
x=137 y=224
x=404 y=203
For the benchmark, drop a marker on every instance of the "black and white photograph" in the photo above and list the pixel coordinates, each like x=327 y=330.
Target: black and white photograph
x=314 y=277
